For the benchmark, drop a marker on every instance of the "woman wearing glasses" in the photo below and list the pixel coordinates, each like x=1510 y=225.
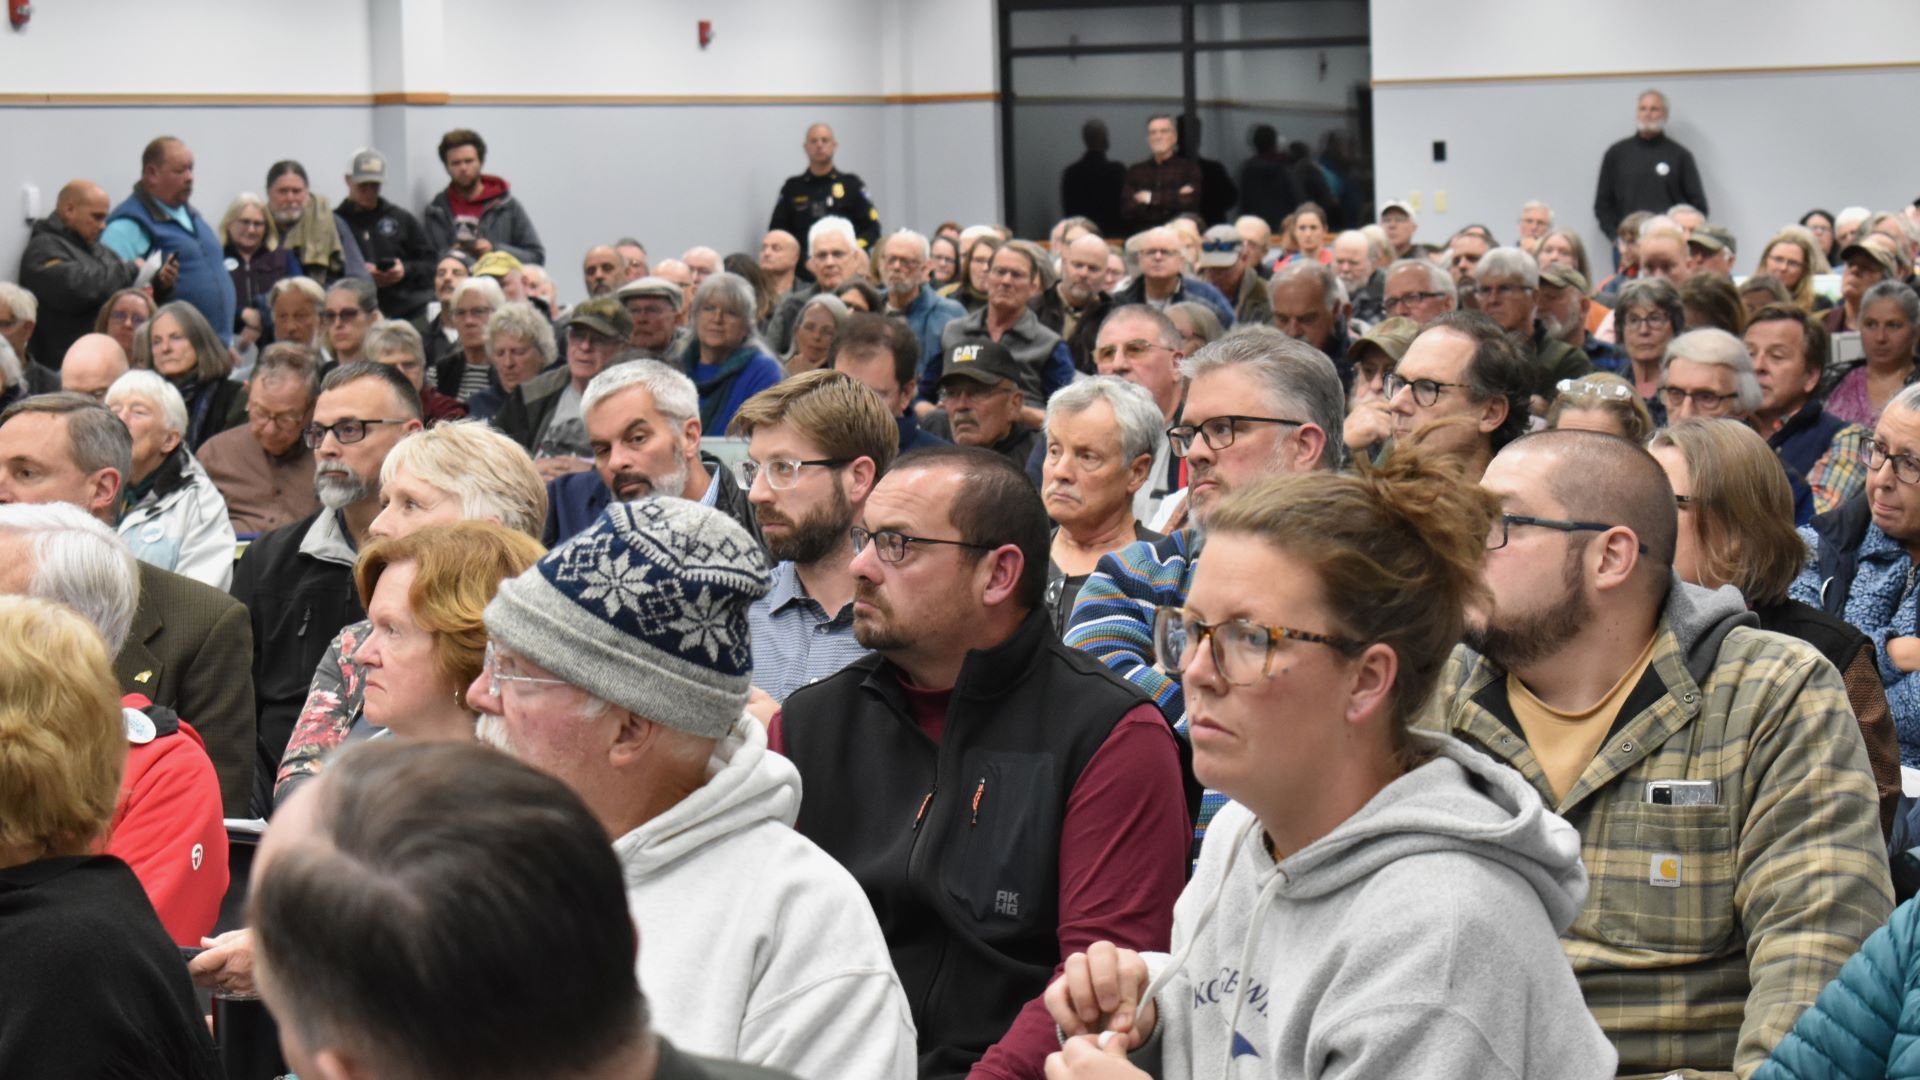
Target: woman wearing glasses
x=1862 y=567
x=1736 y=528
x=1647 y=317
x=1375 y=901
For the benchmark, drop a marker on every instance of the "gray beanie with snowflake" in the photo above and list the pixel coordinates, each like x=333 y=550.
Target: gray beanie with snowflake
x=646 y=609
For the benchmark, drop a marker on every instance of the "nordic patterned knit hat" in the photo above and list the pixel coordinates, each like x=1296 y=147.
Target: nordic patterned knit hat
x=646 y=609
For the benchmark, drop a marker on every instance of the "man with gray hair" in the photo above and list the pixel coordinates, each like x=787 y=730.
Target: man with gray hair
x=1310 y=305
x=1646 y=170
x=265 y=470
x=1365 y=283
x=167 y=827
x=189 y=646
x=643 y=430
x=1042 y=362
x=833 y=252
x=620 y=664
x=1258 y=403
x=19 y=314
x=1536 y=221
x=1708 y=374
x=654 y=305
x=1162 y=280
x=903 y=265
x=1418 y=290
x=1507 y=282
x=1101 y=437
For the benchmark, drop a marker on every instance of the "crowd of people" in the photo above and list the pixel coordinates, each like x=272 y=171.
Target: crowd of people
x=1223 y=638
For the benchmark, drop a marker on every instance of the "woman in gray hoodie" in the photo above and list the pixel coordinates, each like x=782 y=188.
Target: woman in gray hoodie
x=1375 y=902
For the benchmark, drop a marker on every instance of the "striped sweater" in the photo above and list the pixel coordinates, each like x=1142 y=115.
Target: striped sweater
x=1112 y=620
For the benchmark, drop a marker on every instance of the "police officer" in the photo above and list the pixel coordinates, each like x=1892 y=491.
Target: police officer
x=824 y=190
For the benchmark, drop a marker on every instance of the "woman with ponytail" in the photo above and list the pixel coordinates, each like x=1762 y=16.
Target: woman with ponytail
x=1376 y=901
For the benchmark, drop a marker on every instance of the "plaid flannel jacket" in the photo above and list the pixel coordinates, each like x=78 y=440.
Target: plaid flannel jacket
x=1708 y=927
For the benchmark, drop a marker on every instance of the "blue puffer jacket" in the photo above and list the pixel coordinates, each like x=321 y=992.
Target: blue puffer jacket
x=1866 y=1023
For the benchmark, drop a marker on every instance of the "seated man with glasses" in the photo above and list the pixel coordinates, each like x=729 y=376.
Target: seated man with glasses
x=1862 y=565
x=297 y=581
x=1419 y=290
x=1465 y=386
x=1507 y=283
x=1140 y=344
x=816 y=445
x=1004 y=799
x=981 y=404
x=265 y=470
x=1727 y=812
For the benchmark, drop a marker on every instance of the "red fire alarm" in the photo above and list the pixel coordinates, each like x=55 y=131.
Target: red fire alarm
x=18 y=12
x=706 y=30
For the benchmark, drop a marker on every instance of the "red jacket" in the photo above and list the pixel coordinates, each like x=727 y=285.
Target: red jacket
x=168 y=825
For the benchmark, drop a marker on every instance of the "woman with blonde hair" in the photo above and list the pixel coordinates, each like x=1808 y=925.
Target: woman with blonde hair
x=1603 y=402
x=91 y=985
x=1790 y=256
x=1736 y=529
x=255 y=258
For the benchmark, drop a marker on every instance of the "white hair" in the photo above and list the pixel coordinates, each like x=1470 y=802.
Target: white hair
x=79 y=562
x=921 y=243
x=1536 y=204
x=1139 y=419
x=674 y=395
x=483 y=285
x=1332 y=293
x=10 y=373
x=1508 y=262
x=1438 y=280
x=1852 y=215
x=831 y=224
x=1907 y=400
x=156 y=391
x=19 y=301
x=1716 y=347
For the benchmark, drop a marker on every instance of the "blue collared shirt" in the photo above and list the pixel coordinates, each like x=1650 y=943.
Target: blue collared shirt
x=795 y=641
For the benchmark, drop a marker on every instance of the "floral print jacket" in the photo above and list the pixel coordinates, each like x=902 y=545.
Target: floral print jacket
x=333 y=701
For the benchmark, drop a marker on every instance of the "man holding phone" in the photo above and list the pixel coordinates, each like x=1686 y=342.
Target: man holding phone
x=399 y=256
x=158 y=221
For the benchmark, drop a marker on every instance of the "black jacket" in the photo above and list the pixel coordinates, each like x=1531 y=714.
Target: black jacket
x=806 y=198
x=1645 y=174
x=937 y=836
x=1090 y=188
x=386 y=233
x=212 y=407
x=71 y=279
x=1052 y=313
x=296 y=603
x=1267 y=190
x=524 y=413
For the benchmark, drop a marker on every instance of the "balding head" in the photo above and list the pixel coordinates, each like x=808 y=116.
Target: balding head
x=1591 y=476
x=83 y=207
x=91 y=365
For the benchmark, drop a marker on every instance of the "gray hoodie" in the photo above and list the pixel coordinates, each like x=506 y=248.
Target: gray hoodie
x=1418 y=939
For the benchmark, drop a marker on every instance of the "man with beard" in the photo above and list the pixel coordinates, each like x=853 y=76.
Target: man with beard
x=1562 y=306
x=816 y=445
x=604 y=269
x=980 y=402
x=1258 y=403
x=297 y=581
x=1646 y=170
x=1075 y=307
x=309 y=228
x=643 y=428
x=1003 y=799
x=1726 y=809
x=903 y=263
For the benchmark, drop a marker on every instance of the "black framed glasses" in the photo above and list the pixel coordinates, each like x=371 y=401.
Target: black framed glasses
x=891 y=546
x=1703 y=400
x=1218 y=432
x=1497 y=536
x=1425 y=391
x=1906 y=467
x=347 y=431
x=781 y=473
x=1242 y=650
x=1404 y=301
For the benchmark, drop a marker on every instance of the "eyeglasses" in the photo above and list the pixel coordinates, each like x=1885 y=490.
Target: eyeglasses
x=1407 y=300
x=1497 y=536
x=473 y=313
x=1008 y=273
x=1906 y=467
x=127 y=318
x=1158 y=253
x=1239 y=647
x=1133 y=350
x=347 y=431
x=1425 y=391
x=1490 y=292
x=495 y=659
x=1646 y=322
x=1703 y=400
x=1218 y=432
x=327 y=318
x=277 y=419
x=1603 y=391
x=781 y=473
x=891 y=546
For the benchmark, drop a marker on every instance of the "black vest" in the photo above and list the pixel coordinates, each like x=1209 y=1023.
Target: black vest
x=957 y=845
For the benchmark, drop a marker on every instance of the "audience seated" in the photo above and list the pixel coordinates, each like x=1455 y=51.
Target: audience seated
x=1083 y=813
x=1042 y=361
x=884 y=356
x=1727 y=812
x=173 y=515
x=190 y=648
x=816 y=445
x=469 y=370
x=1076 y=306
x=399 y=345
x=832 y=252
x=643 y=424
x=1467 y=383
x=1163 y=279
x=296 y=581
x=1101 y=436
x=621 y=665
x=981 y=403
x=92 y=986
x=1889 y=335
x=1309 y=304
x=91 y=364
x=452 y=473
x=1341 y=811
x=394 y=846
x=814 y=332
x=1418 y=290
x=1820 y=451
x=517 y=344
x=1601 y=402
x=295 y=304
x=1370 y=416
x=123 y=313
x=1141 y=345
x=265 y=470
x=726 y=359
x=1736 y=529
x=188 y=352
x=1506 y=281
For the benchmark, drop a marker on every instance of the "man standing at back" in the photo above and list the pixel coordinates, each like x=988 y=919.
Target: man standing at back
x=1646 y=170
x=1004 y=800
x=67 y=269
x=824 y=190
x=158 y=217
x=476 y=212
x=1162 y=187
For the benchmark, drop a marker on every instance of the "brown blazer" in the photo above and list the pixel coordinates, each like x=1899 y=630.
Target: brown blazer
x=191 y=649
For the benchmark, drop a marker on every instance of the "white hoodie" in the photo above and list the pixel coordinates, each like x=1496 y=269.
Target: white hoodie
x=755 y=945
x=1418 y=939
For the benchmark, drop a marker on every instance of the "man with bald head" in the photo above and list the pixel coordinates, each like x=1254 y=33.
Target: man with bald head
x=677 y=272
x=779 y=261
x=91 y=365
x=68 y=270
x=159 y=221
x=604 y=269
x=1075 y=306
x=702 y=263
x=823 y=191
